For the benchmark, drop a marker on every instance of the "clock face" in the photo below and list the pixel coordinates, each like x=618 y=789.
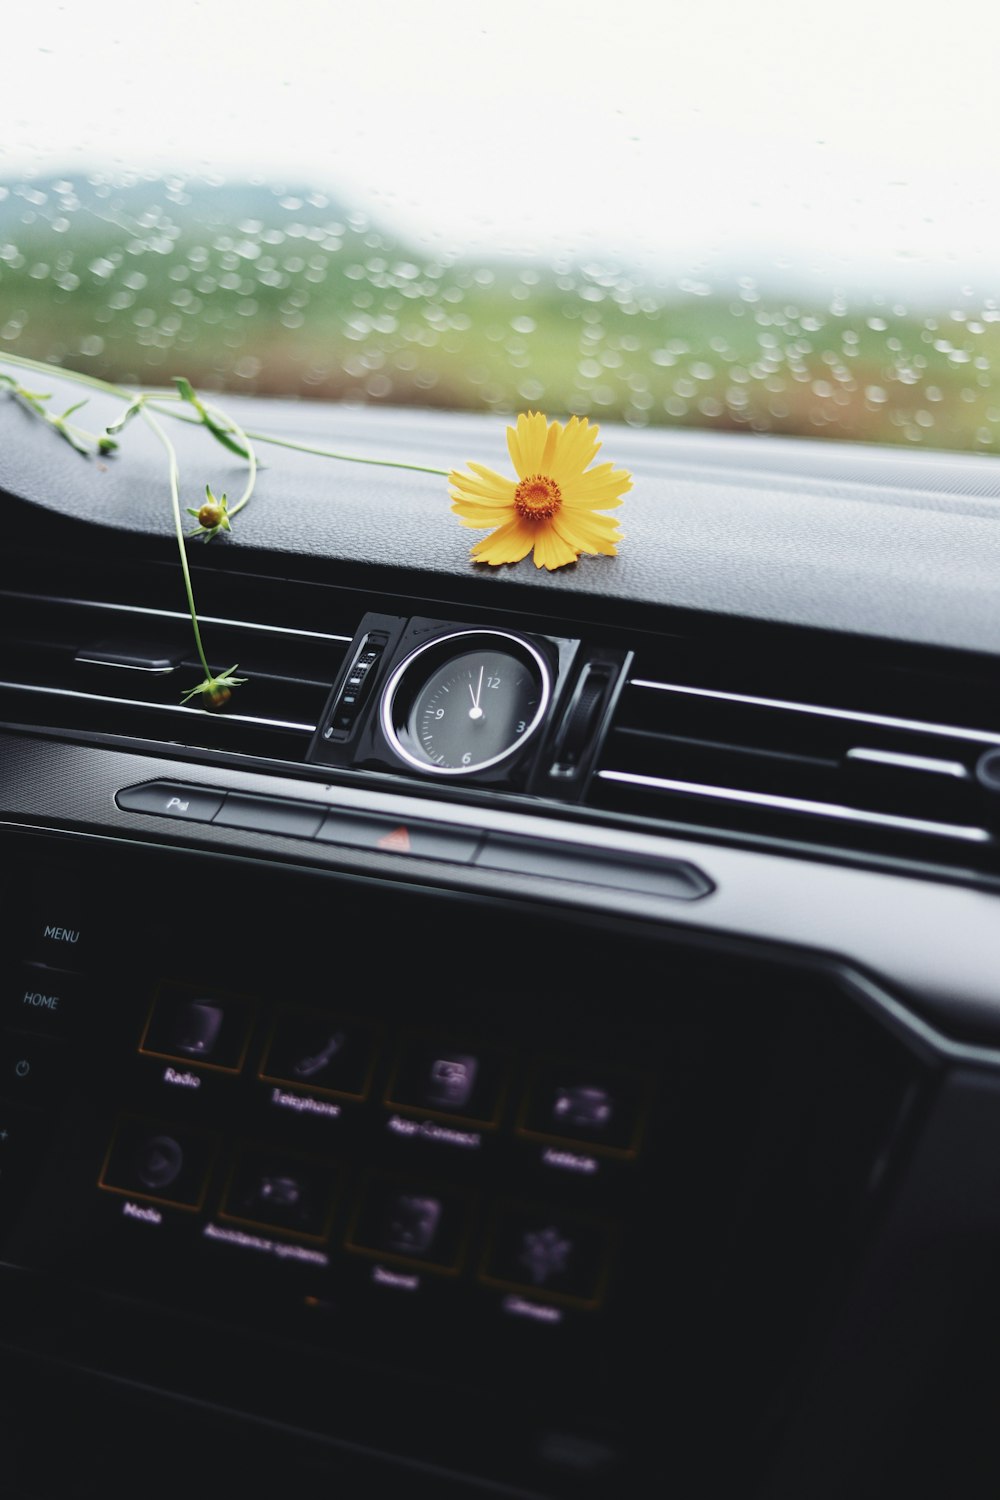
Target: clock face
x=465 y=702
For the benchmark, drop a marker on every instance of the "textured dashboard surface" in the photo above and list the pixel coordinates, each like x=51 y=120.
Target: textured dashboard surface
x=902 y=546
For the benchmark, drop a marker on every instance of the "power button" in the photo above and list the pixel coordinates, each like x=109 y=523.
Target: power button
x=31 y=1070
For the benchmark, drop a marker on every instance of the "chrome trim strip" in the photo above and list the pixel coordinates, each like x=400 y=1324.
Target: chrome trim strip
x=801 y=805
x=912 y=762
x=124 y=666
x=983 y=736
x=160 y=708
x=171 y=614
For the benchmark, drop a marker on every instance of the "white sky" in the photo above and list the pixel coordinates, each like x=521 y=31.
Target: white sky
x=850 y=139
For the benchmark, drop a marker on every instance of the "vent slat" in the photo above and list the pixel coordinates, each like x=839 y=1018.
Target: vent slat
x=762 y=764
x=112 y=666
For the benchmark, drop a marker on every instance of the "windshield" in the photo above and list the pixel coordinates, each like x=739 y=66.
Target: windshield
x=737 y=217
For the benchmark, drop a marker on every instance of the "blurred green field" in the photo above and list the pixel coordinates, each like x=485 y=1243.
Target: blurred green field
x=298 y=298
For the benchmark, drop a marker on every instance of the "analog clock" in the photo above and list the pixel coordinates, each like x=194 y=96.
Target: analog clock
x=465 y=701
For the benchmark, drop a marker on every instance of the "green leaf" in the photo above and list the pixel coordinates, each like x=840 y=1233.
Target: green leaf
x=215 y=427
x=71 y=438
x=221 y=435
x=126 y=416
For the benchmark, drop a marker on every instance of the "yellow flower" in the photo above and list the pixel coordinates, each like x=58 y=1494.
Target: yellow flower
x=552 y=505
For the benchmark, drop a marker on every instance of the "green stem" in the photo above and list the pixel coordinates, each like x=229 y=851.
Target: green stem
x=158 y=397
x=265 y=437
x=347 y=458
x=242 y=437
x=62 y=374
x=175 y=496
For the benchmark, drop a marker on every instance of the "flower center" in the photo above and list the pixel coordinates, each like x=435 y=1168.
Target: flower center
x=537 y=498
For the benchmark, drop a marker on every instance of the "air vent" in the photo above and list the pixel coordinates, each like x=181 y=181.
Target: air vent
x=861 y=756
x=111 y=652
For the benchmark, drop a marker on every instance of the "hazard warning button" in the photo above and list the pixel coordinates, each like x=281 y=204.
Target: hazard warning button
x=400 y=836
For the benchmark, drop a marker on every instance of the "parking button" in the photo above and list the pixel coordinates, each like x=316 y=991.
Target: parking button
x=170 y=799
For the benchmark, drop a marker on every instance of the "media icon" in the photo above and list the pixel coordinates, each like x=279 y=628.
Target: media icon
x=169 y=1163
x=158 y=1161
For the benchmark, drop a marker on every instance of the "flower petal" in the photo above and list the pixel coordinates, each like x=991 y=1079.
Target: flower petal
x=587 y=522
x=586 y=536
x=600 y=488
x=508 y=544
x=532 y=431
x=479 y=489
x=578 y=448
x=514 y=449
x=490 y=476
x=481 y=516
x=474 y=504
x=552 y=440
x=551 y=550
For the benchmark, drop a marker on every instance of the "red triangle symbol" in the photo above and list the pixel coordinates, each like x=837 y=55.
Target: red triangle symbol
x=398 y=839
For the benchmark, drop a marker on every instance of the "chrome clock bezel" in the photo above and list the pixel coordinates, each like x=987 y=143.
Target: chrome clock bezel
x=463 y=640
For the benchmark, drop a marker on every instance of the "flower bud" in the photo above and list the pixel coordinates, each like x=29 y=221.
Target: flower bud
x=216 y=696
x=210 y=514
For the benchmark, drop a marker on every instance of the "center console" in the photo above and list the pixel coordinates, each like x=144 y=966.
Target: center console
x=337 y=1175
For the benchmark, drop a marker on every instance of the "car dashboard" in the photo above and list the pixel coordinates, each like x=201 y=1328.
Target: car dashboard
x=541 y=1036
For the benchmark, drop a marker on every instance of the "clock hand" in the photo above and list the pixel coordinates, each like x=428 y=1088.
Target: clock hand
x=475 y=712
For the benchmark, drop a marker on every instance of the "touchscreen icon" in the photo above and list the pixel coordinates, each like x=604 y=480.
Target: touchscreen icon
x=314 y=1062
x=412 y=1223
x=158 y=1161
x=196 y=1027
x=544 y=1253
x=585 y=1107
x=279 y=1192
x=451 y=1081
